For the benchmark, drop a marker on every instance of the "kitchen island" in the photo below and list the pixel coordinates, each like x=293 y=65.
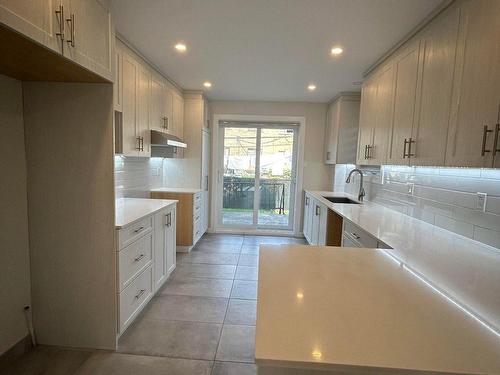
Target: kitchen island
x=354 y=310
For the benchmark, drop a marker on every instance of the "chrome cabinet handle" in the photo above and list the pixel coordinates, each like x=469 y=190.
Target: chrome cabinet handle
x=410 y=142
x=317 y=210
x=169 y=219
x=404 y=148
x=355 y=235
x=140 y=293
x=368 y=149
x=139 y=144
x=71 y=23
x=142 y=143
x=138 y=229
x=139 y=258
x=495 y=141
x=206 y=181
x=307 y=201
x=485 y=135
x=328 y=155
x=60 y=20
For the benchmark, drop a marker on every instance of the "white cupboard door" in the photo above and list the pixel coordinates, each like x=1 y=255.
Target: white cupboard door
x=118 y=81
x=37 y=20
x=160 y=249
x=178 y=115
x=438 y=48
x=205 y=177
x=366 y=119
x=143 y=106
x=406 y=67
x=477 y=96
x=88 y=35
x=129 y=88
x=377 y=154
x=158 y=116
x=332 y=134
x=347 y=140
x=305 y=224
x=169 y=109
x=170 y=240
x=323 y=216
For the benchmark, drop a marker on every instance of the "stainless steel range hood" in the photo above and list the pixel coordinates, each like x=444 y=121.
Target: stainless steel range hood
x=165 y=145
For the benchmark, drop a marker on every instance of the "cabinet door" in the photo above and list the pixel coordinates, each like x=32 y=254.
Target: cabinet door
x=129 y=88
x=377 y=155
x=170 y=240
x=160 y=270
x=88 y=33
x=323 y=216
x=158 y=117
x=366 y=119
x=178 y=115
x=118 y=81
x=37 y=20
x=205 y=177
x=306 y=226
x=332 y=133
x=438 y=49
x=477 y=82
x=348 y=131
x=143 y=107
x=406 y=67
x=169 y=109
x=316 y=222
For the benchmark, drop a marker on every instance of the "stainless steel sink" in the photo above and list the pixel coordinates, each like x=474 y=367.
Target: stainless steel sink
x=341 y=200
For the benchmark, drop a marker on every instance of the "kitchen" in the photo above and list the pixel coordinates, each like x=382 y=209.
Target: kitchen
x=191 y=208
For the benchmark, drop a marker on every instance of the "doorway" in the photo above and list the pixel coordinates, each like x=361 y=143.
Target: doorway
x=258 y=163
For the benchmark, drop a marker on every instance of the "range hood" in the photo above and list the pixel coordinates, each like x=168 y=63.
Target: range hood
x=160 y=139
x=165 y=145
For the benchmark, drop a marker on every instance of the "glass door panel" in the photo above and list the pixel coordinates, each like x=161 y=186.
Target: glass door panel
x=276 y=182
x=239 y=166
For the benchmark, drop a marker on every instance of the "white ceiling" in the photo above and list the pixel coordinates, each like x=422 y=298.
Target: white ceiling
x=267 y=49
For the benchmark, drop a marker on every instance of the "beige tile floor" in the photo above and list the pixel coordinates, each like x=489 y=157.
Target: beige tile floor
x=202 y=322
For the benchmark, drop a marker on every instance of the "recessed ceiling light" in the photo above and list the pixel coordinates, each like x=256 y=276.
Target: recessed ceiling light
x=337 y=51
x=207 y=84
x=181 y=47
x=311 y=87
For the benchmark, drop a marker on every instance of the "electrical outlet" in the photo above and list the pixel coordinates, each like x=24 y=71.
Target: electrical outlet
x=481 y=201
x=410 y=186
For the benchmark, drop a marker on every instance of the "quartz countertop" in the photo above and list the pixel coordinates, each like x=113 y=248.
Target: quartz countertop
x=352 y=309
x=464 y=269
x=178 y=190
x=129 y=210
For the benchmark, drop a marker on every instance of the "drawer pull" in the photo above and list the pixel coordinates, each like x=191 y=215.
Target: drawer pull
x=168 y=217
x=140 y=294
x=139 y=258
x=355 y=235
x=138 y=229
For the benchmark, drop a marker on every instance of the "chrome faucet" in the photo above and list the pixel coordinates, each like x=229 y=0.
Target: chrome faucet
x=361 y=193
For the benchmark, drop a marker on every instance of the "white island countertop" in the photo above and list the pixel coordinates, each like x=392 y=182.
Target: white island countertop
x=352 y=309
x=129 y=210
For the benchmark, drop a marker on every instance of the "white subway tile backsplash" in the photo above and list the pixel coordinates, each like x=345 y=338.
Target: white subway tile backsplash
x=445 y=197
x=135 y=177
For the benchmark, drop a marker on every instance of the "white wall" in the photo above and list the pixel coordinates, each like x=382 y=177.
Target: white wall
x=14 y=251
x=317 y=176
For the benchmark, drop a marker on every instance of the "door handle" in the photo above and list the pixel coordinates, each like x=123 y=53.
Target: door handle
x=495 y=141
x=485 y=135
x=317 y=210
x=404 y=148
x=71 y=23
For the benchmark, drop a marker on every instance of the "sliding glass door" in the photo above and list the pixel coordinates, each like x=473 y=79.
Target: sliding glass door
x=257 y=186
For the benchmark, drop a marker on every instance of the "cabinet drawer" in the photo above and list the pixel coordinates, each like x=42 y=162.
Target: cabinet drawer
x=359 y=235
x=134 y=296
x=132 y=232
x=134 y=258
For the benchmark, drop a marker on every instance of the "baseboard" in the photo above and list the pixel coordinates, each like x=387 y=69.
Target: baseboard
x=184 y=249
x=11 y=355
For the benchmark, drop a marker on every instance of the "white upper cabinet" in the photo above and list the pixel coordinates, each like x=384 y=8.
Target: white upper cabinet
x=131 y=142
x=79 y=29
x=342 y=129
x=178 y=115
x=433 y=105
x=88 y=35
x=38 y=20
x=159 y=119
x=376 y=116
x=405 y=92
x=118 y=81
x=476 y=100
x=143 y=111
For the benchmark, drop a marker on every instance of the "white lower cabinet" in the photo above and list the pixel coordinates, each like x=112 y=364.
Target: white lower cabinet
x=145 y=258
x=315 y=221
